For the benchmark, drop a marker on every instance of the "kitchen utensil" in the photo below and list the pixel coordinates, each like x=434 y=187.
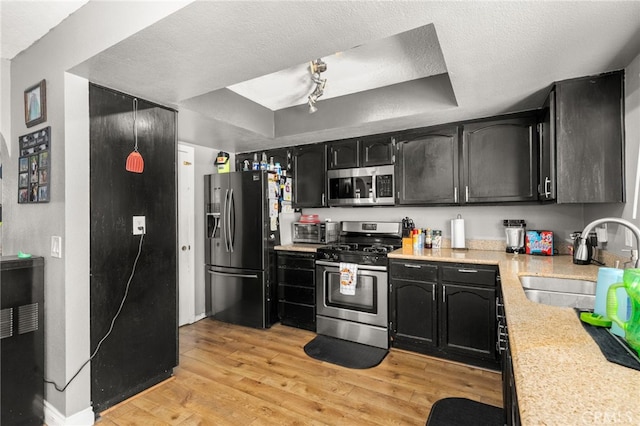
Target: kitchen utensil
x=631 y=283
x=135 y=162
x=514 y=231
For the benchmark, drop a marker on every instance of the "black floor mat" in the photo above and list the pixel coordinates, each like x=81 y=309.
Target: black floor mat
x=464 y=412
x=344 y=353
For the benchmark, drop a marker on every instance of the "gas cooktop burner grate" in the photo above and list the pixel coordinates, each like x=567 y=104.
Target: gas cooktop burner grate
x=379 y=248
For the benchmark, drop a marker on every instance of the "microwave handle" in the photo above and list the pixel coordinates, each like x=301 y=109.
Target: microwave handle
x=373 y=186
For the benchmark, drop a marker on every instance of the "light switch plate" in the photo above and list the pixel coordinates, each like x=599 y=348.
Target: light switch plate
x=628 y=237
x=56 y=246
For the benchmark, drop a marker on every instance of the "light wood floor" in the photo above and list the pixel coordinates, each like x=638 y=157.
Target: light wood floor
x=233 y=375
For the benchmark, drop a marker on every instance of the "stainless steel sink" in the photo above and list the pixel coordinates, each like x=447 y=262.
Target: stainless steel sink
x=566 y=292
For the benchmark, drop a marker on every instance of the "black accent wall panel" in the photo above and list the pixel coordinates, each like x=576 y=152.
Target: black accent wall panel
x=142 y=348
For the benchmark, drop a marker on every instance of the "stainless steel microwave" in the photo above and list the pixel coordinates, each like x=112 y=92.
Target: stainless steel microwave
x=320 y=233
x=363 y=186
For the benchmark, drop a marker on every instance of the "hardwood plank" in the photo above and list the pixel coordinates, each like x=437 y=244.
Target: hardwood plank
x=230 y=375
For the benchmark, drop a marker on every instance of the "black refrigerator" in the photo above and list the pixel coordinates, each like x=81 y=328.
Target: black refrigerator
x=241 y=211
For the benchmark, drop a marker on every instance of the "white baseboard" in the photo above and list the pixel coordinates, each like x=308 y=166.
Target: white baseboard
x=53 y=417
x=199 y=317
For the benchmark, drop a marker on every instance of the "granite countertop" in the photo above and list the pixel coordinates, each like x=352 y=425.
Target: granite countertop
x=561 y=376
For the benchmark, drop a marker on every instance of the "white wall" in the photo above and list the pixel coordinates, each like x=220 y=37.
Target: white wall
x=632 y=147
x=194 y=130
x=481 y=222
x=29 y=227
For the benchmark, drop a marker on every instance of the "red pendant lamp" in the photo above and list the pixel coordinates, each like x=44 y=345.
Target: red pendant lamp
x=135 y=163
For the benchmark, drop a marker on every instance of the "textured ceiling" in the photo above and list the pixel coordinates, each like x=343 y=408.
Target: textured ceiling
x=499 y=57
x=23 y=22
x=403 y=57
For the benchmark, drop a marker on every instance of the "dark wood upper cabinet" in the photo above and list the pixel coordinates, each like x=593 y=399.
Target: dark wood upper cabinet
x=547 y=150
x=427 y=168
x=586 y=124
x=376 y=151
x=309 y=164
x=500 y=160
x=343 y=154
x=364 y=152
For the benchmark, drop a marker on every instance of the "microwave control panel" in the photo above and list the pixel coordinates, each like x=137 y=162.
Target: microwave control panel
x=384 y=185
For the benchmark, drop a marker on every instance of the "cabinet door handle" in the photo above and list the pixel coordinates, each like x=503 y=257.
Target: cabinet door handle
x=466 y=193
x=455 y=194
x=444 y=293
x=409 y=265
x=468 y=271
x=433 y=292
x=323 y=198
x=547 y=187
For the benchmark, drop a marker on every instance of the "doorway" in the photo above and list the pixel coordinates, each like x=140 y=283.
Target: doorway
x=186 y=235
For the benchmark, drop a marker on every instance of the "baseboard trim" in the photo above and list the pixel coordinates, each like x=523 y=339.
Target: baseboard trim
x=53 y=417
x=199 y=317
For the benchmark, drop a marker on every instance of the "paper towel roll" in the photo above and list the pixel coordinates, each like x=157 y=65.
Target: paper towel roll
x=457 y=232
x=607 y=277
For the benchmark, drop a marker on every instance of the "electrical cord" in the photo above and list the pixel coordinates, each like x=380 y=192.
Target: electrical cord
x=113 y=321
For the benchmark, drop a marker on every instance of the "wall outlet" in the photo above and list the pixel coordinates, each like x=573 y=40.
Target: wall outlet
x=601 y=232
x=628 y=237
x=139 y=225
x=56 y=246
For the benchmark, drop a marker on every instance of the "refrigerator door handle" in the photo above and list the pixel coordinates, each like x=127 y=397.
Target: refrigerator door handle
x=230 y=274
x=226 y=221
x=232 y=226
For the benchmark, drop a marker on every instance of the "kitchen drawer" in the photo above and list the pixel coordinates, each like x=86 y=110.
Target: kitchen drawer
x=412 y=270
x=301 y=261
x=470 y=274
x=297 y=315
x=297 y=294
x=301 y=277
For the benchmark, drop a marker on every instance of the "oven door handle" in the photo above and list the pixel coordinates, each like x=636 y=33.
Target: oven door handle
x=360 y=267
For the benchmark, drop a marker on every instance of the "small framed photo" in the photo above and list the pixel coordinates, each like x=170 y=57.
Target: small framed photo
x=24 y=164
x=23 y=181
x=35 y=104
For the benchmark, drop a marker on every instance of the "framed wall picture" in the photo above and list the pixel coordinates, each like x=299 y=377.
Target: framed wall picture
x=35 y=104
x=34 y=167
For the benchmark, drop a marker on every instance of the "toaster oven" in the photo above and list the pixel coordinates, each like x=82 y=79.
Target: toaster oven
x=318 y=233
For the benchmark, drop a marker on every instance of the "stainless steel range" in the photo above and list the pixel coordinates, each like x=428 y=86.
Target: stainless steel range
x=357 y=312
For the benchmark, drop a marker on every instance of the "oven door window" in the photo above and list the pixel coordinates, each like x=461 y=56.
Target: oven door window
x=365 y=299
x=306 y=232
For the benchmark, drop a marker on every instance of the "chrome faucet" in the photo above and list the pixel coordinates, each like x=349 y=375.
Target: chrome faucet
x=581 y=254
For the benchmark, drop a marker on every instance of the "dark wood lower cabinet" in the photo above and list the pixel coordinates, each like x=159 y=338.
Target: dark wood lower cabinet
x=297 y=289
x=468 y=321
x=414 y=311
x=446 y=310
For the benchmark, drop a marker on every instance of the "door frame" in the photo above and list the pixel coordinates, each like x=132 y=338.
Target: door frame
x=186 y=231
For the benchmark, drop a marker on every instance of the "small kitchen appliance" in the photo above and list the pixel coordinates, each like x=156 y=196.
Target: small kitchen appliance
x=515 y=231
x=363 y=186
x=315 y=233
x=631 y=283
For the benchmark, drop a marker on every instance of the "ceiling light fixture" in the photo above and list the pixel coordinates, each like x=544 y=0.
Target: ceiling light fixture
x=316 y=67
